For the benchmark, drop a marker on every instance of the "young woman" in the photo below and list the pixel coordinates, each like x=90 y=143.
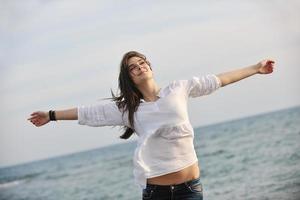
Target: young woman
x=165 y=162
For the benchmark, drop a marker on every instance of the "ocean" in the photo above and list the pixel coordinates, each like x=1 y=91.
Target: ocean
x=257 y=157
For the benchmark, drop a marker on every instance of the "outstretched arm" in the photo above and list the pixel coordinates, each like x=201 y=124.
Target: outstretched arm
x=263 y=67
x=107 y=114
x=40 y=118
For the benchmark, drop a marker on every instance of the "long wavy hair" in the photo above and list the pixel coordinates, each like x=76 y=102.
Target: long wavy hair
x=129 y=96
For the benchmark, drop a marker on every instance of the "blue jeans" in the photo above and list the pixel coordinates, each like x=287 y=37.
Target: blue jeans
x=189 y=190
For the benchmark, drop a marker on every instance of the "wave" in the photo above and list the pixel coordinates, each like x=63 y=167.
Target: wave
x=214 y=153
x=15 y=181
x=11 y=184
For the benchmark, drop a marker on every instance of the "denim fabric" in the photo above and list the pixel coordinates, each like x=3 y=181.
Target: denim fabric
x=189 y=190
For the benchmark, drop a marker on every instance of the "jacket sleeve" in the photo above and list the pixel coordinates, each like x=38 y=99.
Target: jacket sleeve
x=100 y=115
x=203 y=85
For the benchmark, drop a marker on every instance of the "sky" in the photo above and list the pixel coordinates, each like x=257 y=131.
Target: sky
x=62 y=54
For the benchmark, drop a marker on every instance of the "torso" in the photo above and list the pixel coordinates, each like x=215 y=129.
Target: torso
x=186 y=174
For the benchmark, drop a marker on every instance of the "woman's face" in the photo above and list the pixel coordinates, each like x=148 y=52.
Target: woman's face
x=139 y=70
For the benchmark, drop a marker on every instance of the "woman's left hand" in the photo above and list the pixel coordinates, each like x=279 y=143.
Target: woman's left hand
x=265 y=66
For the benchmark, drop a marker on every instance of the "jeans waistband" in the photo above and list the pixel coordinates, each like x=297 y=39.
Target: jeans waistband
x=181 y=185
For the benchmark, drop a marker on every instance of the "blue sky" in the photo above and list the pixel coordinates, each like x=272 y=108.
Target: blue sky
x=62 y=54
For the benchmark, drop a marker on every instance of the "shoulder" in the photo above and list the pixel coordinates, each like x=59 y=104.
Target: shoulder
x=180 y=83
x=175 y=85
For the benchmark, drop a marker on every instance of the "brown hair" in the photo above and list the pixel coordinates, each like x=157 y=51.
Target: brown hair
x=129 y=95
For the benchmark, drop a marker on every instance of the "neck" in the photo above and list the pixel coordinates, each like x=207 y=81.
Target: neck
x=149 y=90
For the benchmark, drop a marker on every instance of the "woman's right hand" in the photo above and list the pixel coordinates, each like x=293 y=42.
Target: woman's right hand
x=39 y=118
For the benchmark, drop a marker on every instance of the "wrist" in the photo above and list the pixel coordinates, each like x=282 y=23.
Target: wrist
x=47 y=116
x=256 y=68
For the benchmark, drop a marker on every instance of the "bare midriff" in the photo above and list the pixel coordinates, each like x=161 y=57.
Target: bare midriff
x=174 y=178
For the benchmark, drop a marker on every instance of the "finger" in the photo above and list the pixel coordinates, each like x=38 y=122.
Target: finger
x=34 y=121
x=34 y=113
x=270 y=69
x=34 y=117
x=38 y=124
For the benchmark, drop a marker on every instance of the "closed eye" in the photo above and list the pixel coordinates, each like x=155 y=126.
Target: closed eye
x=133 y=67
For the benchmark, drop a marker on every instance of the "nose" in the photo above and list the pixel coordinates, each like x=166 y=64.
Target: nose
x=139 y=66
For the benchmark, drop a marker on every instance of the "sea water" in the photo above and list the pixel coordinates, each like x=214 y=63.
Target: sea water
x=257 y=157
